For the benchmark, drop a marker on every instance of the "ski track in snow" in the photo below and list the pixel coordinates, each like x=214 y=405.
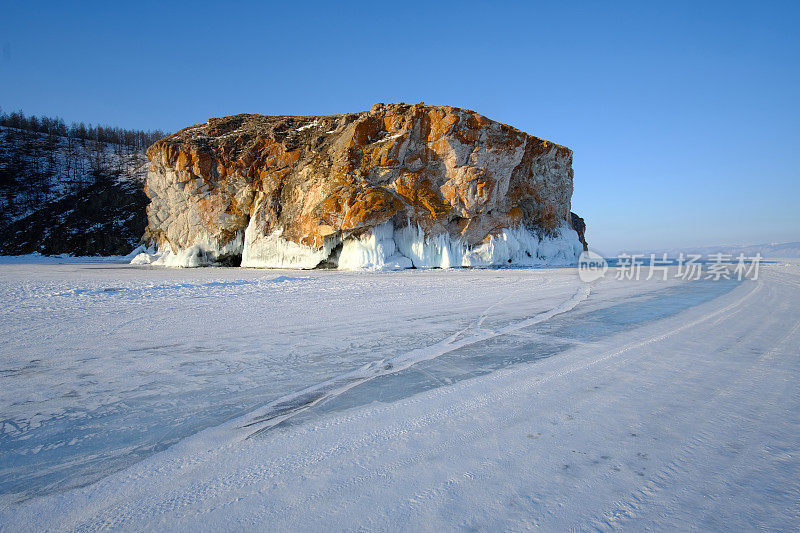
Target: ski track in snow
x=685 y=422
x=695 y=448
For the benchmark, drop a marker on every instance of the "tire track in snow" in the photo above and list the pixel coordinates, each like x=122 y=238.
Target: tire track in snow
x=182 y=500
x=716 y=413
x=216 y=488
x=179 y=499
x=295 y=509
x=489 y=467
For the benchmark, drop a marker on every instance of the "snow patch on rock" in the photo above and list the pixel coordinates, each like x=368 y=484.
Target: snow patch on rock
x=381 y=248
x=273 y=251
x=375 y=251
x=205 y=253
x=515 y=246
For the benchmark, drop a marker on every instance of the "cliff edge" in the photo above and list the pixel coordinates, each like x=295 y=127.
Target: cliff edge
x=397 y=186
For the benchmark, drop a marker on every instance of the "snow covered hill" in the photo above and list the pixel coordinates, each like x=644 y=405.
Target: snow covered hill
x=63 y=194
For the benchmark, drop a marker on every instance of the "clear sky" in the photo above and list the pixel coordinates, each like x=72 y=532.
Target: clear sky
x=684 y=116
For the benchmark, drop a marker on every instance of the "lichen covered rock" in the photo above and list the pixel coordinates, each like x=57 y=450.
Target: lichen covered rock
x=305 y=191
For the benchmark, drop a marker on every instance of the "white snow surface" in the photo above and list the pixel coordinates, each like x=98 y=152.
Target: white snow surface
x=229 y=399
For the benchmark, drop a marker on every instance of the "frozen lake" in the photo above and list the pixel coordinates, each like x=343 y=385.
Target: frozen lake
x=105 y=366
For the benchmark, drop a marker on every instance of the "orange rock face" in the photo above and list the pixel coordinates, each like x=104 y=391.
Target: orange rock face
x=313 y=179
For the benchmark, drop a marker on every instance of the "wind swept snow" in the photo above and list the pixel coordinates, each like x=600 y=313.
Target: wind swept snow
x=136 y=398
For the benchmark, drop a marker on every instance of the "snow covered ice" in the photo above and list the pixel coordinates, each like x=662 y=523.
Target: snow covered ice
x=136 y=397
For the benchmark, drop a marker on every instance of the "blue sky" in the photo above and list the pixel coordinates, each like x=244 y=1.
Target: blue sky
x=684 y=116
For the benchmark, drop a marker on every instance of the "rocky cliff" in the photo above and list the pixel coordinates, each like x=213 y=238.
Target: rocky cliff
x=396 y=186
